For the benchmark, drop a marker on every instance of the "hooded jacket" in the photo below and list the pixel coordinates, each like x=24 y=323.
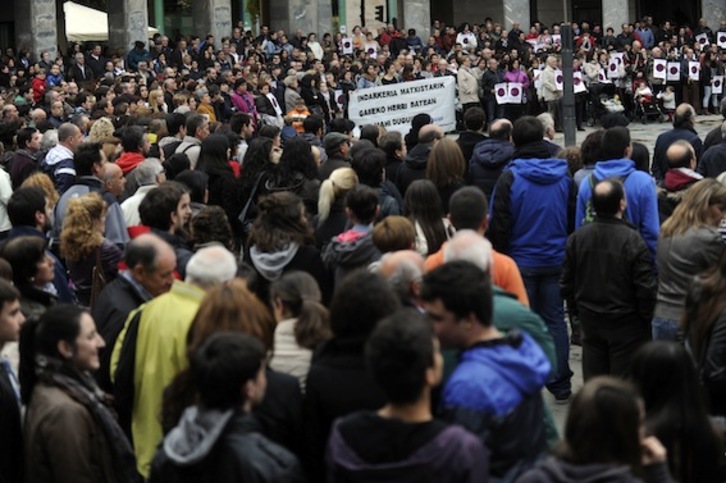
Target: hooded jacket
x=58 y=164
x=487 y=163
x=413 y=167
x=129 y=161
x=642 y=200
x=554 y=470
x=350 y=250
x=223 y=447
x=495 y=393
x=366 y=447
x=673 y=189
x=532 y=209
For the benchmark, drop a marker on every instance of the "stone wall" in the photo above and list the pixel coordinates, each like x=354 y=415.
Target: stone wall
x=35 y=26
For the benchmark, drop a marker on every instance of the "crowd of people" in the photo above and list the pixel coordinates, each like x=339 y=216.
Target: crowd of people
x=209 y=273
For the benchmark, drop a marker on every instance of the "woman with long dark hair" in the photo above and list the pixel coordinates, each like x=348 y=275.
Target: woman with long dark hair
x=70 y=433
x=675 y=412
x=604 y=440
x=310 y=92
x=223 y=185
x=33 y=273
x=281 y=240
x=446 y=169
x=297 y=172
x=422 y=205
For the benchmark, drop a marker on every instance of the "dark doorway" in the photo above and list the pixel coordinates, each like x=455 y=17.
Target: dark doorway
x=677 y=12
x=589 y=11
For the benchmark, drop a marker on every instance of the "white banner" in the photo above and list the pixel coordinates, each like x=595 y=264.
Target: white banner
x=717 y=87
x=694 y=70
x=659 y=68
x=393 y=106
x=674 y=72
x=577 y=83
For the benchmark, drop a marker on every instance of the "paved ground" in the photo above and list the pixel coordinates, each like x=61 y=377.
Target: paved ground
x=646 y=134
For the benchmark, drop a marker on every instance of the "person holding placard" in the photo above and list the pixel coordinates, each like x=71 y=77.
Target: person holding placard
x=516 y=75
x=690 y=86
x=489 y=78
x=551 y=94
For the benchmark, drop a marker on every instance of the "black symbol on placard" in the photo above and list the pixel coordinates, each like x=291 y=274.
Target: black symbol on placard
x=347 y=45
x=559 y=78
x=722 y=39
x=370 y=50
x=576 y=80
x=717 y=83
x=694 y=69
x=613 y=66
x=466 y=41
x=501 y=92
x=659 y=67
x=702 y=40
x=340 y=99
x=515 y=91
x=674 y=70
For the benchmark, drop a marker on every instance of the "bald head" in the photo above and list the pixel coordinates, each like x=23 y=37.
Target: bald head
x=684 y=116
x=430 y=133
x=608 y=198
x=470 y=246
x=151 y=262
x=501 y=129
x=681 y=154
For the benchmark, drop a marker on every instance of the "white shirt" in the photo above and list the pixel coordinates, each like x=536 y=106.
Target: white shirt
x=289 y=357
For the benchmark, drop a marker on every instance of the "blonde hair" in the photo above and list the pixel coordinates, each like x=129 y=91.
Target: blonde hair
x=80 y=235
x=336 y=186
x=692 y=211
x=154 y=96
x=43 y=181
x=101 y=130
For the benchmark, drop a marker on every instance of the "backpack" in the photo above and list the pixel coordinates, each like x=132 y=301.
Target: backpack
x=589 y=211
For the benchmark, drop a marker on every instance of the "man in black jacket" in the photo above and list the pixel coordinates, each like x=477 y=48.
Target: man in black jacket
x=683 y=122
x=149 y=272
x=609 y=281
x=489 y=78
x=414 y=165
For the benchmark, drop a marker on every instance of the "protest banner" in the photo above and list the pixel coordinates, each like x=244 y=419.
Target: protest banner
x=394 y=106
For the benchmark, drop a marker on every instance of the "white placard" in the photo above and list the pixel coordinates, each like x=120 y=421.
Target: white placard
x=694 y=70
x=515 y=91
x=559 y=79
x=501 y=93
x=347 y=45
x=659 y=68
x=721 y=40
x=394 y=106
x=371 y=49
x=717 y=86
x=702 y=39
x=538 y=80
x=613 y=68
x=578 y=84
x=556 y=39
x=674 y=72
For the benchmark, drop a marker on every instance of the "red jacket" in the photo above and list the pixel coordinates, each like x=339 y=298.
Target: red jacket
x=129 y=161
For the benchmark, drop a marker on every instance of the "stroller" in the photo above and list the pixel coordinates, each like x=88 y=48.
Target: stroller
x=602 y=101
x=646 y=106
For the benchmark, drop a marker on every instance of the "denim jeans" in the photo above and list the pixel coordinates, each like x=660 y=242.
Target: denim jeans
x=543 y=290
x=666 y=329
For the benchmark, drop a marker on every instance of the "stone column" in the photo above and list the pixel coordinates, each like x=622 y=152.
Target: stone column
x=212 y=17
x=314 y=16
x=417 y=15
x=128 y=22
x=615 y=13
x=714 y=11
x=516 y=11
x=35 y=26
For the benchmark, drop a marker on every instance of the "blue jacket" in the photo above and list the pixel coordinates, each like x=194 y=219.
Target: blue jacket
x=494 y=392
x=532 y=212
x=642 y=209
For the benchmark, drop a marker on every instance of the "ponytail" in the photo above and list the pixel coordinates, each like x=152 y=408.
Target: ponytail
x=313 y=324
x=326 y=197
x=300 y=295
